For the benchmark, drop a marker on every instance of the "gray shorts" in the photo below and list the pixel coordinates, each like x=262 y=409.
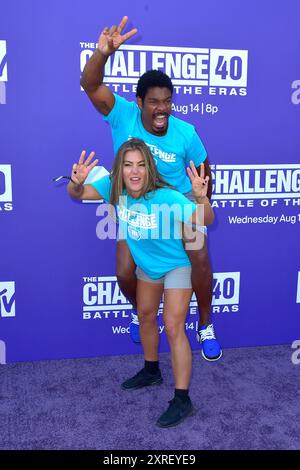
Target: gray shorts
x=179 y=278
x=199 y=228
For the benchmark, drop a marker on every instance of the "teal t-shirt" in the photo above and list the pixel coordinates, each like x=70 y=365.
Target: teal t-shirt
x=172 y=152
x=152 y=227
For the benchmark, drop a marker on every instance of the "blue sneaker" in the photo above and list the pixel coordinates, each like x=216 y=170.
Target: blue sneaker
x=211 y=349
x=134 y=328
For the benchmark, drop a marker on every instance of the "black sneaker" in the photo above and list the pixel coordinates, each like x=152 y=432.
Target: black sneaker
x=142 y=379
x=177 y=411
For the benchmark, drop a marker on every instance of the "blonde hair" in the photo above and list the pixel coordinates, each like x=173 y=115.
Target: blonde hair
x=153 y=179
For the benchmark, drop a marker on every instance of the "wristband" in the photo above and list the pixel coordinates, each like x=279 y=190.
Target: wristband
x=77 y=184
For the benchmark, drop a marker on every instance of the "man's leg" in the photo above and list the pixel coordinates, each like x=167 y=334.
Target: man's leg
x=202 y=282
x=202 y=279
x=126 y=272
x=148 y=300
x=128 y=283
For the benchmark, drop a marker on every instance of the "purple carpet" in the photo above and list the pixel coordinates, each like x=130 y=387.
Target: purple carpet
x=250 y=399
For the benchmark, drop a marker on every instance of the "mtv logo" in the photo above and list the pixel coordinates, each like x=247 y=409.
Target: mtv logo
x=5 y=183
x=7 y=299
x=2 y=352
x=3 y=62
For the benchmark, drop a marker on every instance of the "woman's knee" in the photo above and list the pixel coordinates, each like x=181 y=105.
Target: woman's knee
x=174 y=329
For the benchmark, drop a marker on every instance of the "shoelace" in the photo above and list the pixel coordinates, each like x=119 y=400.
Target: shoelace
x=208 y=333
x=134 y=319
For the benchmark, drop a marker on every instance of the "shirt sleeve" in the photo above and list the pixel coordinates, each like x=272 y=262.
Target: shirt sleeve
x=121 y=112
x=103 y=186
x=185 y=206
x=195 y=151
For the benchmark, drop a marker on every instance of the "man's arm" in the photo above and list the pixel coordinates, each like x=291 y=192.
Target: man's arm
x=92 y=83
x=92 y=77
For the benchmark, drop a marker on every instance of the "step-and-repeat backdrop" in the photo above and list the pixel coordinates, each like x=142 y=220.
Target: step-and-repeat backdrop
x=236 y=72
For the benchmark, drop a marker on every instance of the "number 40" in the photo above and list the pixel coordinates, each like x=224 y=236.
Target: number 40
x=235 y=67
x=226 y=290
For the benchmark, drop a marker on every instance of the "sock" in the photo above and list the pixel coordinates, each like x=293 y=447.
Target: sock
x=182 y=394
x=151 y=367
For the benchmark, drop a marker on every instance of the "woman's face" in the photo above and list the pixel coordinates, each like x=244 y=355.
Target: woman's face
x=134 y=172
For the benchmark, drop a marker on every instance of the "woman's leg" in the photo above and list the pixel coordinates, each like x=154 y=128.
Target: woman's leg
x=148 y=300
x=176 y=303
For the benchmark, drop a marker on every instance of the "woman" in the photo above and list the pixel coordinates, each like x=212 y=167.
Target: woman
x=153 y=232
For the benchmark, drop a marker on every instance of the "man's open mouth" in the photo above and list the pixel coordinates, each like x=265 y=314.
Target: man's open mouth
x=160 y=120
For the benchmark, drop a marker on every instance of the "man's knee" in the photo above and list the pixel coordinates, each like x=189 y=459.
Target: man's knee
x=199 y=258
x=125 y=271
x=125 y=266
x=146 y=315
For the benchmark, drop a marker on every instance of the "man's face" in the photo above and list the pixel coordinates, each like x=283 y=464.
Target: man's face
x=156 y=109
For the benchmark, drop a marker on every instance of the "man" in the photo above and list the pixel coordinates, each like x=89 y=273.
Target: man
x=173 y=143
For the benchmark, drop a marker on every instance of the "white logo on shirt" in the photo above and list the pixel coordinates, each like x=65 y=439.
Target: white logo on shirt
x=134 y=234
x=137 y=219
x=164 y=156
x=156 y=152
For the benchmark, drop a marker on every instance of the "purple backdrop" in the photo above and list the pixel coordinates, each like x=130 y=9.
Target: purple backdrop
x=236 y=71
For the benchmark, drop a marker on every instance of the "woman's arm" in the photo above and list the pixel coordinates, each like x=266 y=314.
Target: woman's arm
x=80 y=171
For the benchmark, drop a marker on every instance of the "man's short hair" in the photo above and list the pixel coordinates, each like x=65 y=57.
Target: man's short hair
x=150 y=79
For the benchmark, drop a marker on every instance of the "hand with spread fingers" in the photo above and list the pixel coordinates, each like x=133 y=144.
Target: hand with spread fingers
x=199 y=183
x=81 y=170
x=111 y=38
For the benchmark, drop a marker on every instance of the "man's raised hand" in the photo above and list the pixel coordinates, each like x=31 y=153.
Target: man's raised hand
x=111 y=38
x=81 y=169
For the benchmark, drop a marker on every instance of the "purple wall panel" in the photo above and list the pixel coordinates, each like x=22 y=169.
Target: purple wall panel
x=242 y=94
